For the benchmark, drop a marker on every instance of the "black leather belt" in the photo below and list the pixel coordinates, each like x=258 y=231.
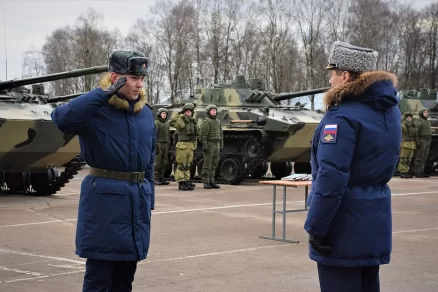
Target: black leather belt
x=128 y=176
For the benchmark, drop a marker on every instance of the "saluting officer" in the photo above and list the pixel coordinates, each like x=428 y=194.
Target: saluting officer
x=211 y=135
x=117 y=136
x=163 y=140
x=354 y=152
x=187 y=133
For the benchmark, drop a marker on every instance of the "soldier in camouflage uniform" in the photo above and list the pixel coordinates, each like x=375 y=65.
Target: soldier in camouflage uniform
x=408 y=145
x=212 y=143
x=162 y=149
x=423 y=145
x=187 y=132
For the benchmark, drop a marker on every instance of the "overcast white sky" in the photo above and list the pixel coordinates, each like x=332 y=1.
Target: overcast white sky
x=29 y=22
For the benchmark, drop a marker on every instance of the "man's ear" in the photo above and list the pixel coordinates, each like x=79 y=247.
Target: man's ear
x=114 y=77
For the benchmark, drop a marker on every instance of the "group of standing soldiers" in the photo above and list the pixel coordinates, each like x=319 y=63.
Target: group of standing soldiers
x=414 y=150
x=186 y=137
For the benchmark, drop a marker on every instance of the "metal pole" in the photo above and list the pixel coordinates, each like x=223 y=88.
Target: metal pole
x=284 y=212
x=306 y=193
x=273 y=211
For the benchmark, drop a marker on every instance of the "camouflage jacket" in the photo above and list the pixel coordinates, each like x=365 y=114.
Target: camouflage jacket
x=186 y=128
x=163 y=131
x=211 y=131
x=409 y=131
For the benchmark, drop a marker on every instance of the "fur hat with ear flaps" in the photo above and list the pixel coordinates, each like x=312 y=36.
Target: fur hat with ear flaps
x=120 y=103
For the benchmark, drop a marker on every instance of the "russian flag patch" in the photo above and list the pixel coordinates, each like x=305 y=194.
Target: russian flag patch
x=329 y=134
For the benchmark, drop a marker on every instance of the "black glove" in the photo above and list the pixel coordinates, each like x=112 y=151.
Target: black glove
x=320 y=245
x=115 y=86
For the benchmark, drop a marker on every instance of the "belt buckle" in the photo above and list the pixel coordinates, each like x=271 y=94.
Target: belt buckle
x=135 y=176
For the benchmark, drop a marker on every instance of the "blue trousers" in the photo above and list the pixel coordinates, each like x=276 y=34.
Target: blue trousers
x=108 y=276
x=356 y=279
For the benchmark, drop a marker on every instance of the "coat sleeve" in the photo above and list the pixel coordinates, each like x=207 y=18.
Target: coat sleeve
x=222 y=135
x=333 y=157
x=149 y=173
x=71 y=117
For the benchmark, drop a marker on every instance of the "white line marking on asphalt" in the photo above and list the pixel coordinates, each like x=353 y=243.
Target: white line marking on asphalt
x=409 y=194
x=204 y=209
x=41 y=256
x=217 y=253
x=45 y=276
x=37 y=223
x=414 y=230
x=21 y=271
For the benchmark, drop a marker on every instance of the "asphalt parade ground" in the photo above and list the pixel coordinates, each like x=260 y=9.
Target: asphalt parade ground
x=208 y=240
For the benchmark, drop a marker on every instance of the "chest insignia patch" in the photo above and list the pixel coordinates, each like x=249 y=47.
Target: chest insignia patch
x=329 y=134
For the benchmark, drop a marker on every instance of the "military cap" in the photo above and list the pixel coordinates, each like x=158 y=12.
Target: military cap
x=423 y=110
x=162 y=110
x=128 y=62
x=351 y=58
x=210 y=107
x=187 y=106
x=408 y=114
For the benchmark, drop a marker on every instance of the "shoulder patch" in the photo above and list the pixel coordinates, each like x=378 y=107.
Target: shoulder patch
x=329 y=134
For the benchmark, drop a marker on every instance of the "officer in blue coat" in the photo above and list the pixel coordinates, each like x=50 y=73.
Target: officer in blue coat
x=117 y=137
x=355 y=150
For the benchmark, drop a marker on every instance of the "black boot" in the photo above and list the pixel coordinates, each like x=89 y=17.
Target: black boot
x=214 y=185
x=191 y=184
x=182 y=186
x=419 y=175
x=188 y=186
x=425 y=175
x=405 y=175
x=163 y=181
x=207 y=186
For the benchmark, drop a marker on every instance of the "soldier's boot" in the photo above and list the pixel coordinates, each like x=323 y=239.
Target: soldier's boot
x=182 y=186
x=214 y=185
x=188 y=186
x=190 y=183
x=405 y=175
x=158 y=181
x=419 y=175
x=207 y=186
x=163 y=181
x=425 y=175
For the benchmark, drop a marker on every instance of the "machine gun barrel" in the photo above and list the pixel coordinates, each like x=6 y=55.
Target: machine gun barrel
x=290 y=95
x=64 y=97
x=52 y=77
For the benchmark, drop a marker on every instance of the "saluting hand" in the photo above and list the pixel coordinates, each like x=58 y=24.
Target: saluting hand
x=115 y=86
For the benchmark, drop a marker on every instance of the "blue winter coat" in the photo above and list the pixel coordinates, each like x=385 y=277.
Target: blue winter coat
x=114 y=215
x=355 y=150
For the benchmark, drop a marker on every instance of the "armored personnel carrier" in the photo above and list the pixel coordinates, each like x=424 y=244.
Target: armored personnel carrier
x=31 y=147
x=257 y=129
x=413 y=101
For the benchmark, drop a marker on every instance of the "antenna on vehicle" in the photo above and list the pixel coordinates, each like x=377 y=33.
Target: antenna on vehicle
x=6 y=47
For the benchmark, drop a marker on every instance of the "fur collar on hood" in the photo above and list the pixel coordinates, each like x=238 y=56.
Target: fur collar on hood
x=120 y=103
x=356 y=88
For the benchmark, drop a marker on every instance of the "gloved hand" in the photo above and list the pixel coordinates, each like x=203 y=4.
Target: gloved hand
x=320 y=245
x=110 y=91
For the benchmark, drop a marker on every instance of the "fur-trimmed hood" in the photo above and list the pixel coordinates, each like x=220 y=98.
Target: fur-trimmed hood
x=120 y=103
x=376 y=88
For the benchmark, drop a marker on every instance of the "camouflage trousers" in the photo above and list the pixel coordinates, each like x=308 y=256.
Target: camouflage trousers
x=161 y=160
x=184 y=158
x=406 y=155
x=211 y=159
x=421 y=154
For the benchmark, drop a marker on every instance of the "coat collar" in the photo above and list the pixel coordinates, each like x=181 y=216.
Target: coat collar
x=356 y=88
x=123 y=104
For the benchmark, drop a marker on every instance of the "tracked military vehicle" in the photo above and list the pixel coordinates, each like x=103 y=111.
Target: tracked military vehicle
x=31 y=147
x=413 y=101
x=257 y=129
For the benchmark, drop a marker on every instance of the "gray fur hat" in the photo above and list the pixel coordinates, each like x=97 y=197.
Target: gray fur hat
x=351 y=58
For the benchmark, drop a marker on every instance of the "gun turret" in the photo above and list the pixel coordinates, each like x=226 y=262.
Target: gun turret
x=8 y=84
x=290 y=95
